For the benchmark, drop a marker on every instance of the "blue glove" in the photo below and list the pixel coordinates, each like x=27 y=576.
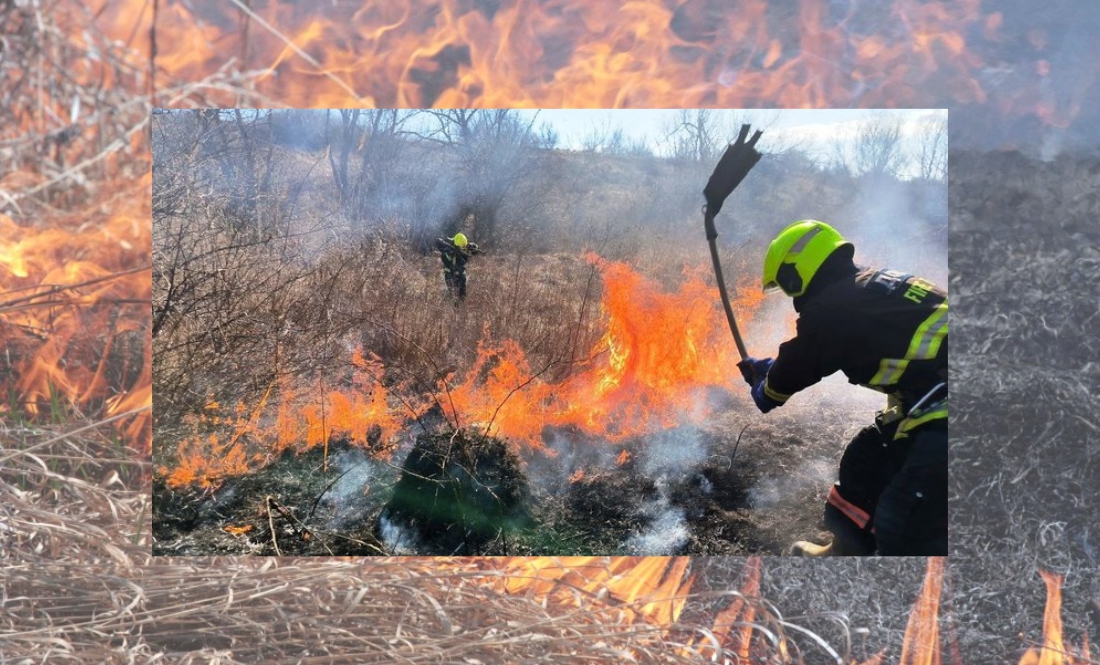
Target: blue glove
x=763 y=402
x=753 y=370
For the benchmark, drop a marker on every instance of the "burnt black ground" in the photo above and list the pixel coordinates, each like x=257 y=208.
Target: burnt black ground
x=1025 y=452
x=740 y=484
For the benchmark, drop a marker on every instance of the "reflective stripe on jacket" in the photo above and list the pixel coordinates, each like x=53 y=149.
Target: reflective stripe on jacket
x=884 y=329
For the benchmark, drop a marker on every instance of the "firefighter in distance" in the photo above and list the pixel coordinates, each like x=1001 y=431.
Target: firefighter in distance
x=455 y=252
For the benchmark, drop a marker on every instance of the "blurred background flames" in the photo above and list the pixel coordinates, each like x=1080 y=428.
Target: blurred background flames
x=74 y=221
x=1013 y=66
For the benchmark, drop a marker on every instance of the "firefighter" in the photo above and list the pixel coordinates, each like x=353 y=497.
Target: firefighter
x=887 y=331
x=455 y=252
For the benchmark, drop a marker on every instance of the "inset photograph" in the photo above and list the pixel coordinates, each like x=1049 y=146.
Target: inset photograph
x=549 y=332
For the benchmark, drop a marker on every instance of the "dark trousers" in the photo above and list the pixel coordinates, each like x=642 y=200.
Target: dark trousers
x=456 y=283
x=892 y=494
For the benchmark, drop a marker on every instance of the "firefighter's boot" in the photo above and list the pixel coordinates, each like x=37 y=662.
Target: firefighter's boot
x=839 y=546
x=806 y=548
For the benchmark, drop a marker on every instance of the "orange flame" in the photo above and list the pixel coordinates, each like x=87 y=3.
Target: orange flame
x=662 y=350
x=74 y=266
x=570 y=54
x=656 y=590
x=576 y=54
x=362 y=416
x=740 y=614
x=73 y=296
x=655 y=587
x=921 y=644
x=1053 y=651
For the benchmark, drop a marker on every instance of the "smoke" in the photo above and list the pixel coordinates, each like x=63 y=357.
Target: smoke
x=398 y=540
x=674 y=452
x=669 y=456
x=567 y=452
x=1042 y=95
x=811 y=475
x=772 y=324
x=666 y=532
x=664 y=458
x=349 y=497
x=893 y=226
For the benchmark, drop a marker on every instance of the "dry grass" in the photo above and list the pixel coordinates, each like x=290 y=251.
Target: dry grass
x=71 y=482
x=1025 y=440
x=284 y=611
x=78 y=584
x=66 y=498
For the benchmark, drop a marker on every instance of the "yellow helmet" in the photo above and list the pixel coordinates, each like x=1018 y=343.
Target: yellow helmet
x=797 y=253
x=460 y=240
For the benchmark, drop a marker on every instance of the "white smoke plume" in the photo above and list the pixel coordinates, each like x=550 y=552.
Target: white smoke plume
x=667 y=530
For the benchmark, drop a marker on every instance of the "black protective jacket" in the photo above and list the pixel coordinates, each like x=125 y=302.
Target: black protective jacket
x=455 y=258
x=883 y=329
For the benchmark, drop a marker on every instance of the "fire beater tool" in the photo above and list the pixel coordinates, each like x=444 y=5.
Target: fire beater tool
x=735 y=164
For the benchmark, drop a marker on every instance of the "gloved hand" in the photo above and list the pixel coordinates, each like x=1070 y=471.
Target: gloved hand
x=763 y=402
x=754 y=369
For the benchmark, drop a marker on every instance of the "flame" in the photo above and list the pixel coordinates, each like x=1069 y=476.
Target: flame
x=656 y=588
x=663 y=348
x=576 y=54
x=738 y=617
x=642 y=53
x=1053 y=651
x=362 y=416
x=72 y=313
x=75 y=281
x=921 y=645
x=567 y=53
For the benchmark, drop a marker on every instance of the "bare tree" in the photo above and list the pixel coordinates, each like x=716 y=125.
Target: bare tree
x=361 y=147
x=548 y=136
x=608 y=139
x=225 y=285
x=341 y=141
x=930 y=153
x=697 y=135
x=701 y=135
x=877 y=148
x=494 y=150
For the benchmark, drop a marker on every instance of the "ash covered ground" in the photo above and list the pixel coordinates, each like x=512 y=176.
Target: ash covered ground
x=1025 y=453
